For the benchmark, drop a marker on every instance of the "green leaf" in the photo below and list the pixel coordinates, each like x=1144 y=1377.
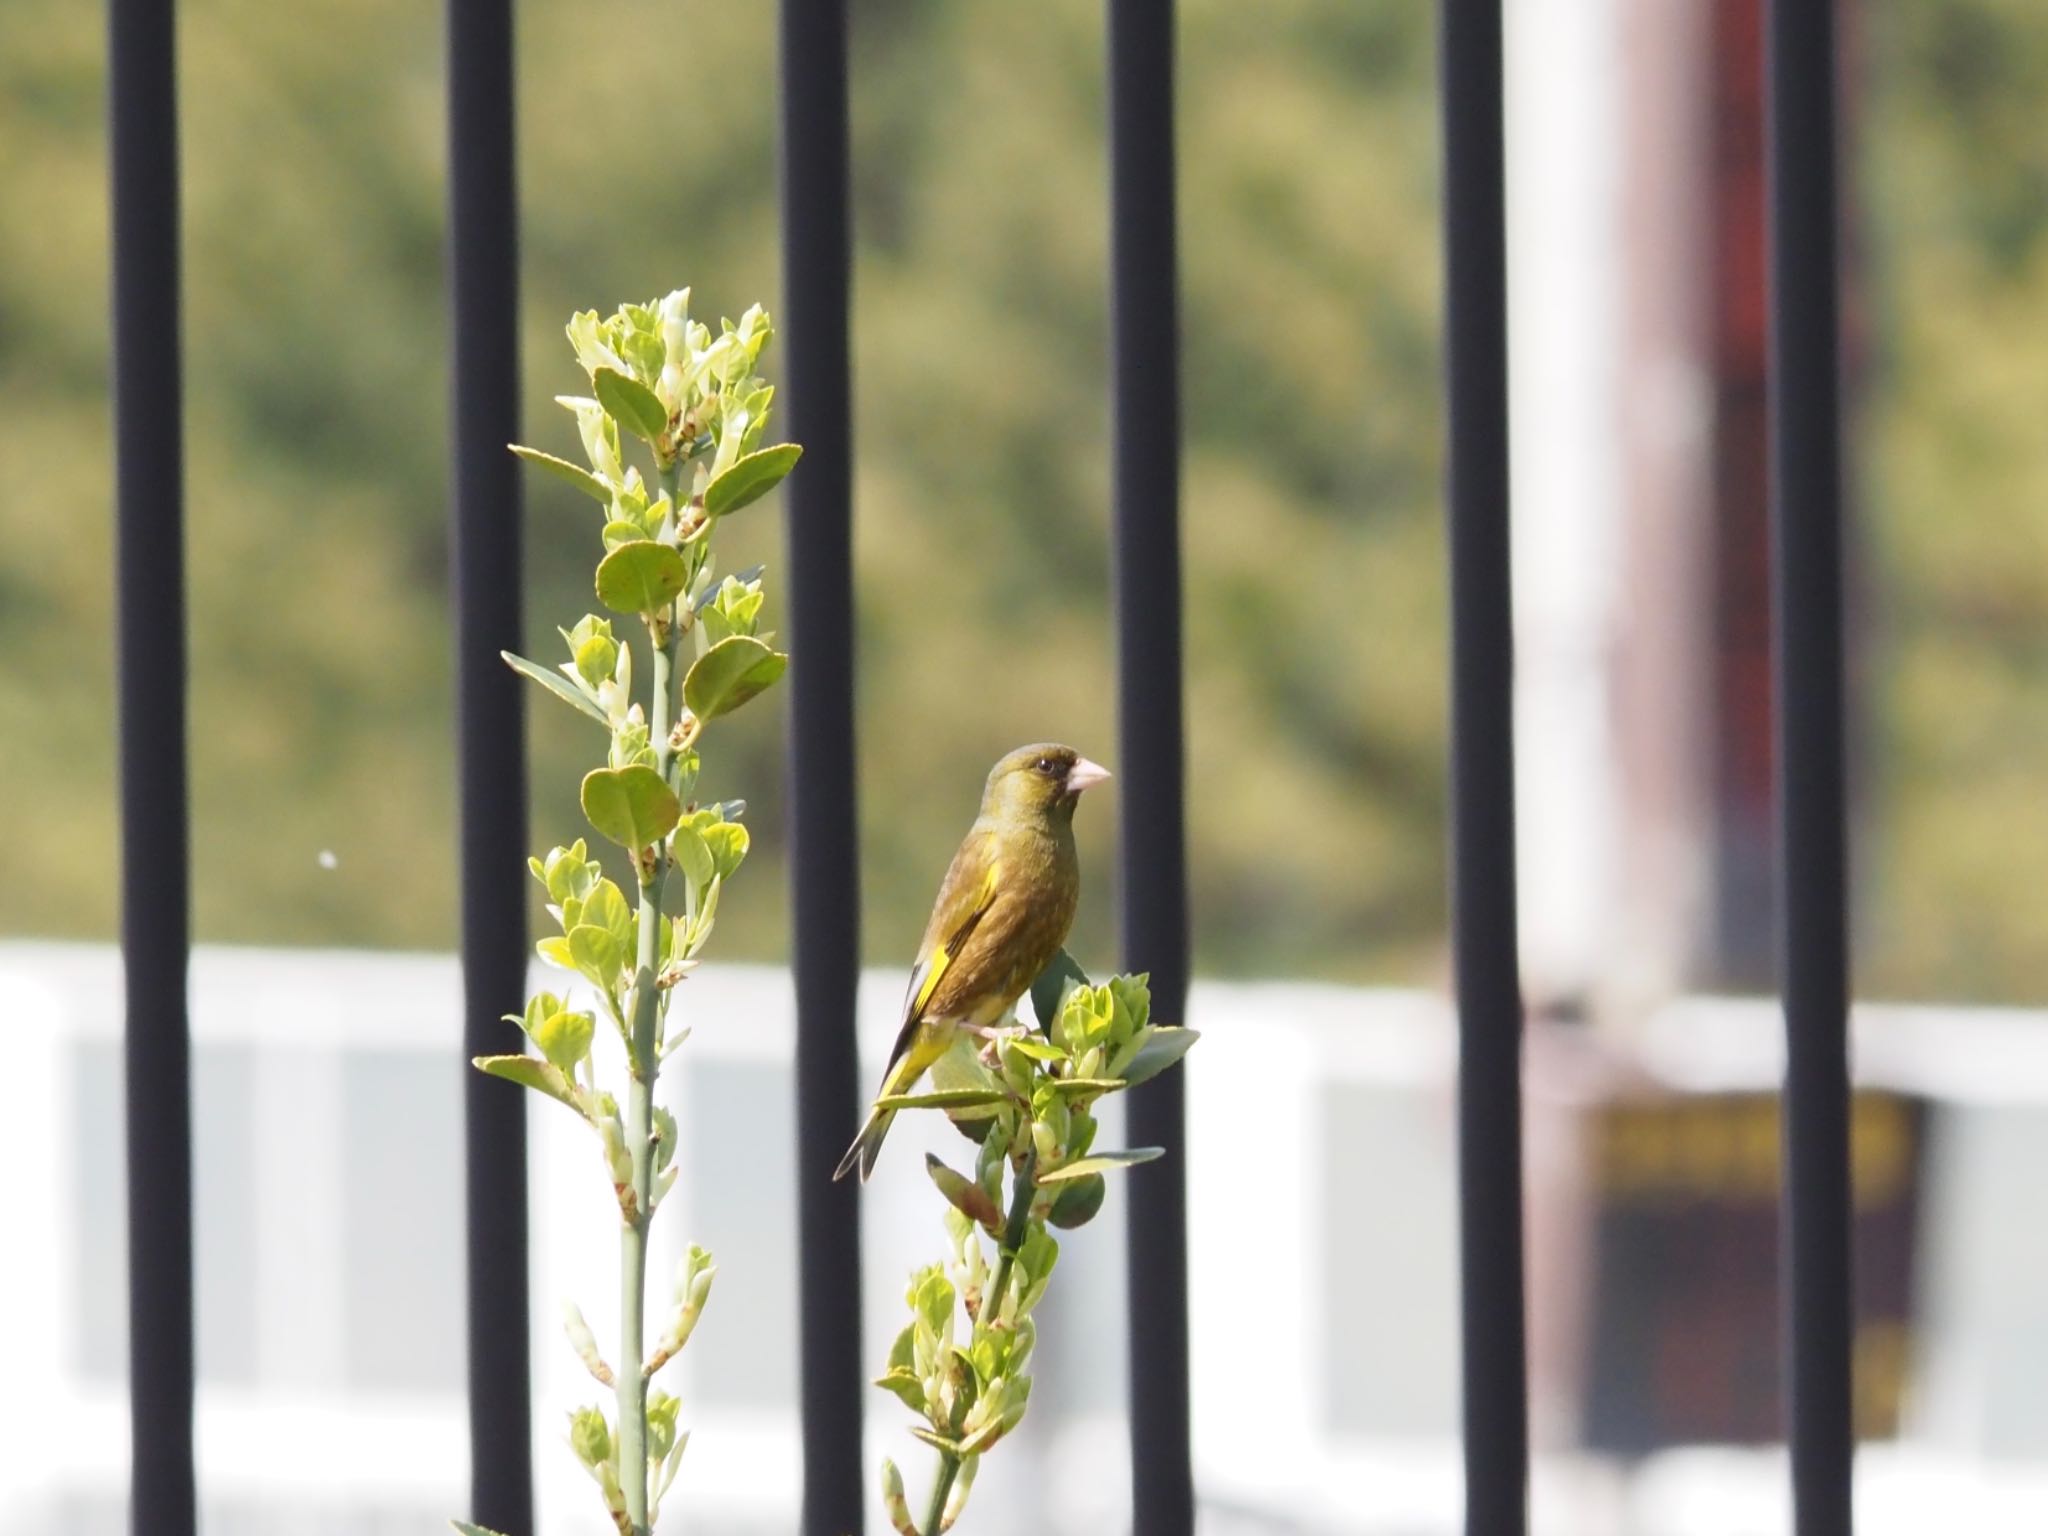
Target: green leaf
x=556 y=684
x=904 y=1350
x=949 y=1098
x=596 y=661
x=750 y=478
x=1101 y=1162
x=1049 y=991
x=1020 y=1396
x=1078 y=1201
x=605 y=907
x=1160 y=1049
x=682 y=773
x=737 y=611
x=1131 y=999
x=966 y=1196
x=590 y=1436
x=974 y=1446
x=594 y=651
x=661 y=1422
x=1035 y=1261
x=596 y=954
x=908 y=1389
x=729 y=674
x=1036 y=1049
x=641 y=577
x=1086 y=1020
x=711 y=590
x=965 y=1387
x=562 y=469
x=701 y=929
x=568 y=872
x=474 y=1530
x=631 y=404
x=990 y=1351
x=1076 y=1086
x=632 y=806
x=933 y=1300
x=540 y=1076
x=564 y=1038
x=668 y=1473
x=693 y=854
x=936 y=1441
x=961 y=1066
x=728 y=842
x=931 y=1311
x=961 y=1069
x=664 y=1154
x=538 y=1008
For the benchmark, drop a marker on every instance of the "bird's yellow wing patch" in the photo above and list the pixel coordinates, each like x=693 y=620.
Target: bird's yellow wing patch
x=926 y=982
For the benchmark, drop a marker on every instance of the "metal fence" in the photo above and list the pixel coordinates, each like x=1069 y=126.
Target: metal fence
x=483 y=272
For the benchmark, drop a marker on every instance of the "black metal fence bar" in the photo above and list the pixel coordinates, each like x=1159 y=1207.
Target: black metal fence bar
x=1482 y=775
x=1807 y=574
x=483 y=280
x=149 y=495
x=1151 y=819
x=823 y=816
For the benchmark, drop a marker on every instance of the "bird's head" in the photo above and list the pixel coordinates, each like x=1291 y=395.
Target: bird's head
x=1044 y=781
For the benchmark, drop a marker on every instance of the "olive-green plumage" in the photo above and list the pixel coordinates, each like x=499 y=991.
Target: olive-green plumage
x=1002 y=914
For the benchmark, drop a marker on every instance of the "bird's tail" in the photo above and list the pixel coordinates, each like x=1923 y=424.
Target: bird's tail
x=867 y=1146
x=921 y=1043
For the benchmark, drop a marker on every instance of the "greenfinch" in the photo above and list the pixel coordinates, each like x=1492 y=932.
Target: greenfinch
x=1002 y=915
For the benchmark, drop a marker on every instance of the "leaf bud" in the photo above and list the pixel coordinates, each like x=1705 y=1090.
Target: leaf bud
x=590 y=1437
x=584 y=1342
x=963 y=1484
x=894 y=1500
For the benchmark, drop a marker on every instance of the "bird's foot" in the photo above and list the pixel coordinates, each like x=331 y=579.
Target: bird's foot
x=992 y=1037
x=996 y=1033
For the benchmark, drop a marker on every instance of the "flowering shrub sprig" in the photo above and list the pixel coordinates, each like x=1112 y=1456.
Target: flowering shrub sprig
x=694 y=404
x=1028 y=1102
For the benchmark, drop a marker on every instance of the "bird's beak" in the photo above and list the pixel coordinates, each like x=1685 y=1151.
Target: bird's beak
x=1084 y=775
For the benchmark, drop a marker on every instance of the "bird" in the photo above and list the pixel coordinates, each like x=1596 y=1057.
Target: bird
x=1002 y=914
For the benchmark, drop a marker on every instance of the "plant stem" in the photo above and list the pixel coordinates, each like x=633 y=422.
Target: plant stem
x=645 y=1066
x=633 y=1289
x=935 y=1512
x=1023 y=1189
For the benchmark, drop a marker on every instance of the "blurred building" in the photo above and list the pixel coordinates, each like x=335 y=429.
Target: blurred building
x=1640 y=311
x=1322 y=1262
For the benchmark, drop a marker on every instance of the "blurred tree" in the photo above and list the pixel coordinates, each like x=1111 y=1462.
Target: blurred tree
x=1955 y=476
x=317 y=364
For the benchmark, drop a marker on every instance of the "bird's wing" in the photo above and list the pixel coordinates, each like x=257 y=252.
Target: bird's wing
x=966 y=895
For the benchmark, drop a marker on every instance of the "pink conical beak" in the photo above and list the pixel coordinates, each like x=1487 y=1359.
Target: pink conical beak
x=1085 y=775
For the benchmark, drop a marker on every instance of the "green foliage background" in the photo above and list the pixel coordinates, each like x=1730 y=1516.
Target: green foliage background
x=317 y=389
x=1955 y=473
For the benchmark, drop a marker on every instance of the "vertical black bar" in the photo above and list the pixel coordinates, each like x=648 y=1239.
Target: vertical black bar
x=1483 y=774
x=824 y=850
x=483 y=280
x=1806 y=531
x=149 y=482
x=1152 y=852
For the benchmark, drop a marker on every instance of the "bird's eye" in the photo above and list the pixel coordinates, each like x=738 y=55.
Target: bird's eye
x=1046 y=766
